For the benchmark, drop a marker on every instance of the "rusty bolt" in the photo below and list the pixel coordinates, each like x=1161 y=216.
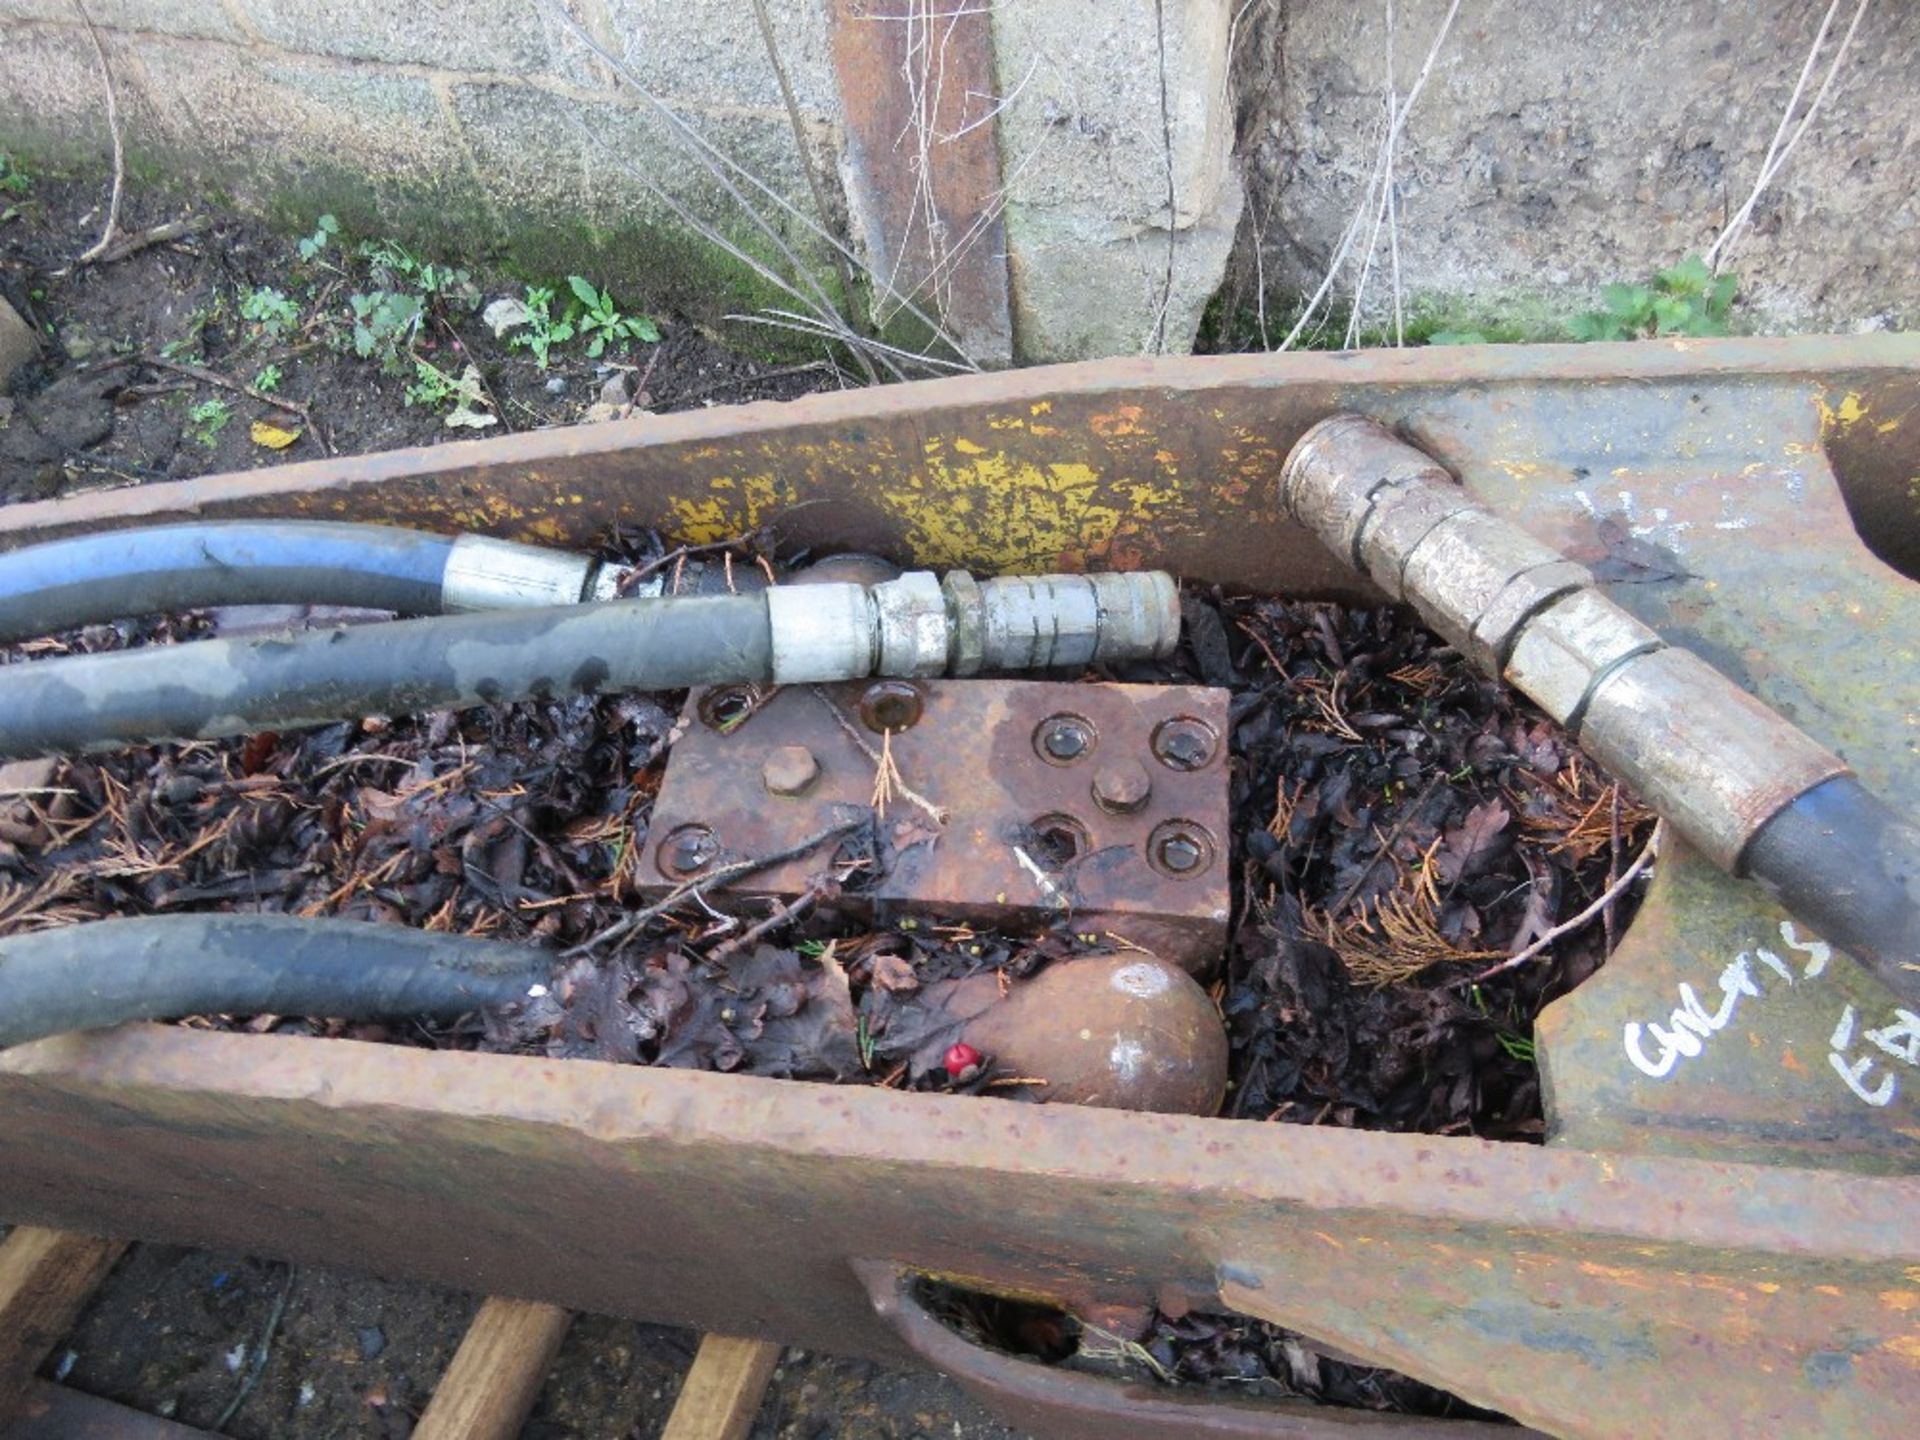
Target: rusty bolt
x=1184 y=744
x=1180 y=849
x=790 y=770
x=1121 y=786
x=1063 y=739
x=688 y=851
x=891 y=705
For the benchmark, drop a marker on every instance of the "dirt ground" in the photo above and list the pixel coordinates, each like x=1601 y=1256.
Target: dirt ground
x=174 y=1331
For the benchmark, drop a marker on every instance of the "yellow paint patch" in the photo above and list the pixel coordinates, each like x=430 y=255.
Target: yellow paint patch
x=1850 y=412
x=1042 y=407
x=973 y=505
x=1633 y=1279
x=1905 y=1346
x=1121 y=420
x=1322 y=1235
x=731 y=507
x=1766 y=1287
x=1900 y=1299
x=1519 y=469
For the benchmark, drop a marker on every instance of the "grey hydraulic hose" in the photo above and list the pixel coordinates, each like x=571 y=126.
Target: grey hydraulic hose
x=216 y=688
x=1749 y=790
x=86 y=579
x=82 y=977
x=911 y=626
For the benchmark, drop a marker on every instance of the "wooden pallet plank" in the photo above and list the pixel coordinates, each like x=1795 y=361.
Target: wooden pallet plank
x=723 y=1390
x=496 y=1374
x=46 y=1278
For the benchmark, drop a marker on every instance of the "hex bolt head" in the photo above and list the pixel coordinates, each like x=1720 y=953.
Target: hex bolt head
x=1063 y=739
x=790 y=770
x=1179 y=849
x=1184 y=744
x=688 y=851
x=1121 y=787
x=1180 y=853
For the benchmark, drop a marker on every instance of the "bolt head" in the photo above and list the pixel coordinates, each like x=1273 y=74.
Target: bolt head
x=790 y=770
x=687 y=851
x=1180 y=853
x=1063 y=739
x=1121 y=787
x=1184 y=744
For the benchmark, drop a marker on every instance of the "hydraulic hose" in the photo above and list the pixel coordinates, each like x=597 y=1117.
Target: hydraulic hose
x=82 y=977
x=914 y=625
x=88 y=579
x=216 y=688
x=1753 y=793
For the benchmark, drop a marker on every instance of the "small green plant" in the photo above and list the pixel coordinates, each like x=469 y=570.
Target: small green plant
x=544 y=329
x=397 y=266
x=206 y=420
x=271 y=310
x=1518 y=1047
x=1687 y=299
x=384 y=325
x=431 y=386
x=601 y=323
x=13 y=180
x=267 y=382
x=313 y=246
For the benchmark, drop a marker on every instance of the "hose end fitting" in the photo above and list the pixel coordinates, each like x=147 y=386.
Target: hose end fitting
x=487 y=574
x=918 y=625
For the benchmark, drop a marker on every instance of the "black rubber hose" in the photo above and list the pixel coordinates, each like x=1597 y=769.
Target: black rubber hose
x=216 y=688
x=81 y=977
x=1849 y=866
x=86 y=579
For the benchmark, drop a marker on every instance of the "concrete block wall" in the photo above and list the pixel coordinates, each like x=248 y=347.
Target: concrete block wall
x=1147 y=148
x=461 y=123
x=1559 y=147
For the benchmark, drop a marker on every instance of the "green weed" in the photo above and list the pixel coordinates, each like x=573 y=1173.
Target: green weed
x=268 y=380
x=1518 y=1047
x=13 y=180
x=206 y=420
x=271 y=310
x=603 y=324
x=385 y=323
x=1687 y=299
x=313 y=246
x=543 y=329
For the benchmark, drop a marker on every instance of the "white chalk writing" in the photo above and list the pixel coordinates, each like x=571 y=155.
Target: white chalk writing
x=1691 y=1024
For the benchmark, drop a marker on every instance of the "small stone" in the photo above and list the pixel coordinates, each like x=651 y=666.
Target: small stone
x=78 y=347
x=618 y=390
x=372 y=1340
x=556 y=385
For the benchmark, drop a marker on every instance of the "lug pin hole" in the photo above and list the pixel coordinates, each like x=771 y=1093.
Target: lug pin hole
x=1058 y=840
x=726 y=708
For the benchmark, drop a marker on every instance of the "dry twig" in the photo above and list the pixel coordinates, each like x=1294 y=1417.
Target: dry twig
x=1566 y=927
x=111 y=229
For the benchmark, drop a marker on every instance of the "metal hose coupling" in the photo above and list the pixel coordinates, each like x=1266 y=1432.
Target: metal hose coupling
x=920 y=625
x=483 y=573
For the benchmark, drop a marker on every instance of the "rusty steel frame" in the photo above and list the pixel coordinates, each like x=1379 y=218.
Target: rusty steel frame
x=1597 y=1291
